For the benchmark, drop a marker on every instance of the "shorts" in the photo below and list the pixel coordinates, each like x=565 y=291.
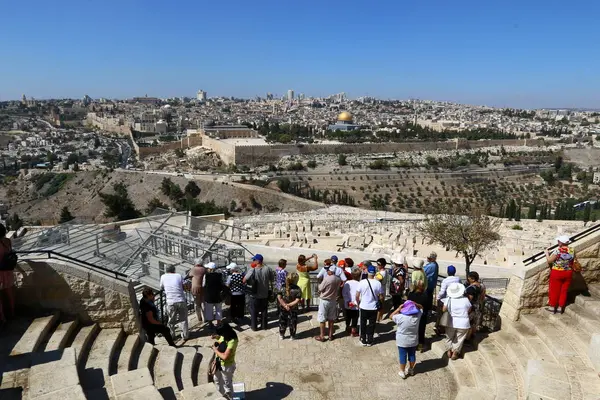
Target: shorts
x=327 y=310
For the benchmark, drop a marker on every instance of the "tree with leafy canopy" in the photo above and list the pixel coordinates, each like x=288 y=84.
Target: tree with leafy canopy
x=65 y=215
x=119 y=205
x=154 y=204
x=468 y=234
x=192 y=189
x=342 y=160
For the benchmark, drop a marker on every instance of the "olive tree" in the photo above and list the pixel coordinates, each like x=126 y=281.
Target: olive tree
x=469 y=234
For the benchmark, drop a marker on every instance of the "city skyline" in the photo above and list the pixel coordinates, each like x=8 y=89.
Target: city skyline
x=534 y=55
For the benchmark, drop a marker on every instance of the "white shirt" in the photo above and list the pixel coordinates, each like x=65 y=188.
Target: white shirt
x=445 y=283
x=367 y=300
x=459 y=311
x=172 y=284
x=349 y=293
x=338 y=272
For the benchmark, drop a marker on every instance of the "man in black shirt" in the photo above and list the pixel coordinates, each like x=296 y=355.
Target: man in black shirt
x=149 y=315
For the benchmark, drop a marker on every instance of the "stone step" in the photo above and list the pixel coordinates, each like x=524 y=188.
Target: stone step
x=167 y=371
x=579 y=338
x=83 y=342
x=546 y=380
x=145 y=393
x=101 y=361
x=508 y=386
x=128 y=353
x=62 y=335
x=591 y=304
x=594 y=290
x=145 y=358
x=587 y=320
x=552 y=334
x=484 y=376
x=189 y=366
x=49 y=380
x=129 y=381
x=68 y=393
x=35 y=334
x=532 y=341
x=515 y=350
x=468 y=393
x=460 y=368
x=205 y=354
x=207 y=391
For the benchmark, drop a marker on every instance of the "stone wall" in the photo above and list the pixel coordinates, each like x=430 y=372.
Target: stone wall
x=184 y=143
x=528 y=287
x=89 y=295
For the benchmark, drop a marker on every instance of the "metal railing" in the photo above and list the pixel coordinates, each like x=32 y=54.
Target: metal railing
x=53 y=254
x=581 y=235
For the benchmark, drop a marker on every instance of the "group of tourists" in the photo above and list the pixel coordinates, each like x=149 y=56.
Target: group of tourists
x=356 y=293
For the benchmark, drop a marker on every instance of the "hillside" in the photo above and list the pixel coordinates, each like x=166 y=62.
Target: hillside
x=36 y=197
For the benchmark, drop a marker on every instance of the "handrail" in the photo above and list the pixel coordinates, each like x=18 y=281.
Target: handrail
x=50 y=253
x=572 y=239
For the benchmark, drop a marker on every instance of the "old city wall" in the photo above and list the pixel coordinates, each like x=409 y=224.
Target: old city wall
x=528 y=287
x=184 y=143
x=265 y=154
x=89 y=295
x=225 y=150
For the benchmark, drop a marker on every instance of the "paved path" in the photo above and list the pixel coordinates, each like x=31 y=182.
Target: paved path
x=306 y=369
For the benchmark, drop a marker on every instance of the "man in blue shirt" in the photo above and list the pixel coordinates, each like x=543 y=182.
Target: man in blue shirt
x=431 y=270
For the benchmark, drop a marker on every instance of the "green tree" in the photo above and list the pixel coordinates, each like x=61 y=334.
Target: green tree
x=342 y=160
x=558 y=163
x=154 y=204
x=532 y=212
x=587 y=211
x=311 y=164
x=192 y=189
x=14 y=222
x=118 y=204
x=65 y=215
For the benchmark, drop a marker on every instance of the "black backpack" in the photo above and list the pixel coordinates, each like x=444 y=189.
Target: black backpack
x=10 y=259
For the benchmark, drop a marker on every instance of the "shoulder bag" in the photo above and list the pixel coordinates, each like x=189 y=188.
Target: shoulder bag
x=378 y=304
x=446 y=319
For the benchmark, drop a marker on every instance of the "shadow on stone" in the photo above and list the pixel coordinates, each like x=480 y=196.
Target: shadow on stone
x=168 y=393
x=272 y=391
x=11 y=394
x=431 y=364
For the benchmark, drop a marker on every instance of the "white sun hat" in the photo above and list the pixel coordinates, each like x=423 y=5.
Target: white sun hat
x=455 y=290
x=398 y=258
x=210 y=265
x=563 y=239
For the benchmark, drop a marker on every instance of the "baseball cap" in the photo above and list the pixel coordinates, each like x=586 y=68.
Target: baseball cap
x=341 y=263
x=432 y=255
x=257 y=257
x=382 y=261
x=232 y=266
x=371 y=269
x=451 y=270
x=334 y=259
x=210 y=265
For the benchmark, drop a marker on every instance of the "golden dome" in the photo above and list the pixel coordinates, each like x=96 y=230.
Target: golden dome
x=345 y=116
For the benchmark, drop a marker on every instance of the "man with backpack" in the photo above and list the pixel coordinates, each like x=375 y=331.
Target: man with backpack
x=8 y=263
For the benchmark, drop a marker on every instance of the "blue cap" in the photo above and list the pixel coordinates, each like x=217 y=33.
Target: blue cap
x=334 y=259
x=257 y=257
x=451 y=270
x=371 y=269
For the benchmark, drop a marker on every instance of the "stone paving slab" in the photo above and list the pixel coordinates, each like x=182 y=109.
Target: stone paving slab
x=145 y=393
x=131 y=380
x=67 y=393
x=52 y=380
x=61 y=335
x=32 y=338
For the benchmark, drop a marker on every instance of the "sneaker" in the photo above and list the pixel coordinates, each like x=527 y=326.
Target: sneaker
x=411 y=372
x=292 y=338
x=402 y=374
x=363 y=344
x=281 y=337
x=369 y=344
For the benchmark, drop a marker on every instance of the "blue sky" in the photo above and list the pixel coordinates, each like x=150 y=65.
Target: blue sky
x=526 y=53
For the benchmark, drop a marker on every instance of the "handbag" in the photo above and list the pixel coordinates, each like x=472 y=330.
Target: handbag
x=378 y=304
x=576 y=265
x=213 y=367
x=446 y=319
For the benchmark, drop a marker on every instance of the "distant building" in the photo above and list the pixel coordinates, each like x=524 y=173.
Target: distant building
x=201 y=95
x=228 y=132
x=290 y=95
x=344 y=123
x=146 y=100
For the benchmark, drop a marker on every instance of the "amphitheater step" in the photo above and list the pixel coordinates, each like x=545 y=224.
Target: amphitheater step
x=467 y=393
x=594 y=290
x=205 y=354
x=592 y=304
x=507 y=383
x=146 y=358
x=189 y=366
x=462 y=373
x=129 y=381
x=100 y=360
x=62 y=335
x=484 y=376
x=166 y=372
x=514 y=349
x=145 y=393
x=579 y=338
x=128 y=353
x=533 y=342
x=206 y=391
x=83 y=342
x=546 y=380
x=50 y=380
x=587 y=320
x=35 y=335
x=551 y=333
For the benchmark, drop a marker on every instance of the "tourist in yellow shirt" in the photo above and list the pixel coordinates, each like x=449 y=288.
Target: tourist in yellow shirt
x=225 y=348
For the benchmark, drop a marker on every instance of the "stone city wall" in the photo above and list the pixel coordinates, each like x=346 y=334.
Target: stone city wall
x=184 y=143
x=225 y=150
x=528 y=287
x=109 y=124
x=89 y=295
x=268 y=154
